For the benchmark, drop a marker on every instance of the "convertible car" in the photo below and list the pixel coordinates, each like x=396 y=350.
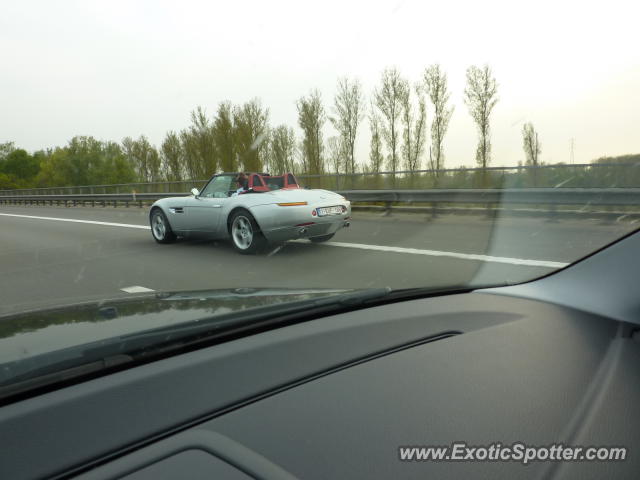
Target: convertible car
x=265 y=210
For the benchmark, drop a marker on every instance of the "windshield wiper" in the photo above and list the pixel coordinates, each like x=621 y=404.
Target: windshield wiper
x=127 y=350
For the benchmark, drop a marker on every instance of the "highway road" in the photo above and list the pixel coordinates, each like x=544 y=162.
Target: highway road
x=46 y=259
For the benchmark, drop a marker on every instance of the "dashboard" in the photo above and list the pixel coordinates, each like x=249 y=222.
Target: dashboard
x=336 y=397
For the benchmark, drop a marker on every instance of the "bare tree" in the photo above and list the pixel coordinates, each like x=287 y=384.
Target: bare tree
x=376 y=155
x=201 y=132
x=348 y=109
x=388 y=99
x=435 y=82
x=144 y=157
x=199 y=146
x=300 y=165
x=480 y=97
x=282 y=149
x=172 y=157
x=531 y=144
x=252 y=130
x=311 y=118
x=194 y=169
x=414 y=123
x=532 y=148
x=336 y=159
x=224 y=137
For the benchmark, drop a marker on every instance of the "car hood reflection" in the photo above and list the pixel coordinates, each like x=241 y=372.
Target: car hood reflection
x=32 y=333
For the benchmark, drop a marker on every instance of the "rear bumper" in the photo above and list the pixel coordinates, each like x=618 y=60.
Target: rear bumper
x=280 y=224
x=283 y=234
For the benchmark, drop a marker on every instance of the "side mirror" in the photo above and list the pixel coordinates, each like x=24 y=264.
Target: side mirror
x=195 y=192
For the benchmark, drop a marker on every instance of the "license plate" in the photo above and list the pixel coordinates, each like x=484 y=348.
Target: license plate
x=324 y=211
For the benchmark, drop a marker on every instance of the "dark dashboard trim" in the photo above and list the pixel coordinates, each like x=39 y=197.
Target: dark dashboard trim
x=253 y=399
x=121 y=411
x=220 y=446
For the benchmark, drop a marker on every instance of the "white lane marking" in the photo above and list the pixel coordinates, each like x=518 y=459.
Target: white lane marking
x=73 y=220
x=361 y=246
x=438 y=253
x=137 y=289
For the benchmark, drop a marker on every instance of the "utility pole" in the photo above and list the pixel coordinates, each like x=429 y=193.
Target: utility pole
x=571 y=156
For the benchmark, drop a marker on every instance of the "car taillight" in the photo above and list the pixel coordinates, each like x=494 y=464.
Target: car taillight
x=314 y=213
x=292 y=204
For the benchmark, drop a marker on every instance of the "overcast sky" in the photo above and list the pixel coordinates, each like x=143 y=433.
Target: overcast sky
x=124 y=68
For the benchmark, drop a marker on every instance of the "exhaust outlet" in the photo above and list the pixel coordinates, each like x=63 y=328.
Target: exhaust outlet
x=302 y=231
x=347 y=224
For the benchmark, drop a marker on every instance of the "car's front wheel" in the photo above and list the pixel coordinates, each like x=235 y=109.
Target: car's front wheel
x=322 y=238
x=245 y=233
x=160 y=228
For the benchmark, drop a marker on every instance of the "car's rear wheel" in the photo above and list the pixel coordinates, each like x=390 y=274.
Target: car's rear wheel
x=322 y=238
x=160 y=228
x=245 y=233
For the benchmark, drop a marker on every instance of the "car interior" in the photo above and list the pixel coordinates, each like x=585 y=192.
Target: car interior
x=557 y=358
x=390 y=239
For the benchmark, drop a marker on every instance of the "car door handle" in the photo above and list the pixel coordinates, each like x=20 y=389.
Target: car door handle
x=216 y=206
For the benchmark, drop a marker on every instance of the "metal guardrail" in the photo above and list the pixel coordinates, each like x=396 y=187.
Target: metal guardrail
x=474 y=169
x=178 y=185
x=487 y=197
x=102 y=199
x=529 y=196
x=116 y=189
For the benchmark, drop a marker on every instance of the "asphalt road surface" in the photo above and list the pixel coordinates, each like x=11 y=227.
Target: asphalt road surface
x=49 y=261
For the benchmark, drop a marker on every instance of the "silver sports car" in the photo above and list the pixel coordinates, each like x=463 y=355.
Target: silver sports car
x=253 y=210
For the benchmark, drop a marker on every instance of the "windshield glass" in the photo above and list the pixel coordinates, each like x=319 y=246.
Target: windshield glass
x=458 y=145
x=219 y=186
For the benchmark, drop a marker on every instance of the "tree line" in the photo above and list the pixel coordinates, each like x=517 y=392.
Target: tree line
x=240 y=137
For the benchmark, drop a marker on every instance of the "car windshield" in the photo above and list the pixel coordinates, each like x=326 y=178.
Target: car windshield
x=219 y=186
x=402 y=145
